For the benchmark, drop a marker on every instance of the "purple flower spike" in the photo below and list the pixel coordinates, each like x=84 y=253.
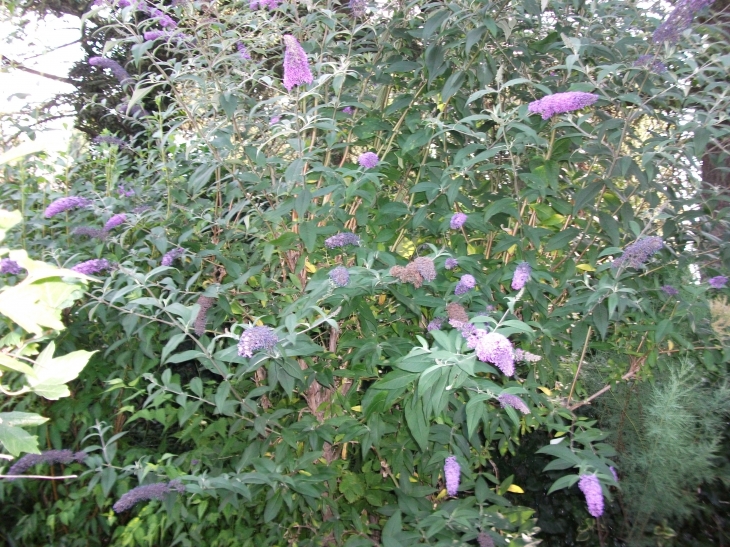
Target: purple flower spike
x=435 y=324
x=156 y=491
x=591 y=488
x=205 y=302
x=717 y=282
x=457 y=221
x=348 y=110
x=90 y=267
x=492 y=347
x=296 y=65
x=638 y=252
x=49 y=457
x=65 y=204
x=9 y=266
x=505 y=399
x=452 y=473
x=368 y=160
x=465 y=284
x=342 y=239
x=340 y=276
x=559 y=103
x=612 y=469
x=679 y=20
x=268 y=4
x=170 y=256
x=669 y=290
x=521 y=276
x=425 y=267
x=255 y=339
x=451 y=263
x=115 y=68
x=357 y=8
x=113 y=222
x=243 y=51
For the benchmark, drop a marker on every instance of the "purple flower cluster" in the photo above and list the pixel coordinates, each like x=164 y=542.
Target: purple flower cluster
x=669 y=290
x=591 y=488
x=170 y=256
x=357 y=8
x=9 y=266
x=651 y=62
x=340 y=276
x=274 y=120
x=48 y=457
x=95 y=265
x=425 y=267
x=457 y=221
x=526 y=356
x=451 y=263
x=156 y=491
x=559 y=103
x=492 y=347
x=505 y=399
x=296 y=65
x=114 y=221
x=435 y=324
x=368 y=160
x=348 y=110
x=521 y=276
x=717 y=282
x=465 y=284
x=452 y=474
x=638 y=252
x=269 y=4
x=243 y=51
x=342 y=239
x=116 y=69
x=205 y=302
x=484 y=540
x=255 y=339
x=679 y=20
x=123 y=192
x=65 y=204
x=89 y=231
x=164 y=20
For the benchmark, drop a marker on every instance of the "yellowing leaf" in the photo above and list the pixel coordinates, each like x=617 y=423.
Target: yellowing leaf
x=311 y=268
x=512 y=249
x=357 y=408
x=471 y=250
x=412 y=479
x=586 y=267
x=516 y=489
x=381 y=300
x=442 y=494
x=545 y=390
x=670 y=344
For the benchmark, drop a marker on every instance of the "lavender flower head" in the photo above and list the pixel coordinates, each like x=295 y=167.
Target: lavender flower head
x=9 y=266
x=152 y=35
x=164 y=20
x=296 y=65
x=591 y=488
x=348 y=110
x=679 y=20
x=495 y=348
x=435 y=324
x=255 y=339
x=89 y=231
x=269 y=4
x=243 y=51
x=274 y=120
x=170 y=256
x=505 y=399
x=669 y=290
x=425 y=267
x=526 y=356
x=116 y=69
x=65 y=204
x=368 y=160
x=451 y=263
x=452 y=473
x=457 y=221
x=342 y=239
x=123 y=192
x=113 y=222
x=484 y=540
x=465 y=284
x=650 y=62
x=156 y=491
x=559 y=103
x=638 y=252
x=717 y=282
x=90 y=267
x=521 y=276
x=48 y=457
x=357 y=8
x=340 y=276
x=205 y=302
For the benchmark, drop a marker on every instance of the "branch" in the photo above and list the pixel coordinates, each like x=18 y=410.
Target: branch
x=14 y=64
x=45 y=477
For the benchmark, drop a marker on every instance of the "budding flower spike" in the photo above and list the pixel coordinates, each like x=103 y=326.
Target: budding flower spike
x=452 y=474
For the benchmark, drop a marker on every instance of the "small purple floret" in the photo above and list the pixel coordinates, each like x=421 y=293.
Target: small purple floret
x=638 y=252
x=115 y=68
x=669 y=290
x=342 y=239
x=368 y=160
x=451 y=263
x=435 y=324
x=521 y=276
x=717 y=282
x=492 y=347
x=559 y=103
x=340 y=276
x=457 y=221
x=465 y=284
x=170 y=256
x=348 y=110
x=49 y=457
x=255 y=339
x=9 y=266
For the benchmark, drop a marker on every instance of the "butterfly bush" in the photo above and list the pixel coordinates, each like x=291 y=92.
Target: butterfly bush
x=116 y=69
x=612 y=469
x=93 y=266
x=48 y=457
x=465 y=284
x=9 y=266
x=171 y=256
x=255 y=339
x=457 y=221
x=268 y=4
x=591 y=488
x=435 y=324
x=669 y=290
x=638 y=252
x=357 y=8
x=484 y=540
x=679 y=20
x=717 y=282
x=243 y=51
x=205 y=302
x=156 y=491
x=89 y=231
x=115 y=221
x=451 y=263
x=560 y=103
x=340 y=276
x=505 y=399
x=62 y=205
x=348 y=110
x=296 y=65
x=526 y=356
x=452 y=474
x=492 y=347
x=521 y=276
x=368 y=160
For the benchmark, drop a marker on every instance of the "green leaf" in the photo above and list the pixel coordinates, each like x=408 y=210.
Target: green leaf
x=417 y=424
x=17 y=440
x=172 y=344
x=563 y=482
x=586 y=196
x=600 y=319
x=473 y=36
x=395 y=380
x=391 y=530
x=351 y=487
x=452 y=85
x=51 y=373
x=561 y=240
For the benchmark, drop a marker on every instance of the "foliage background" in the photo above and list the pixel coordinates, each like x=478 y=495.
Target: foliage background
x=338 y=436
